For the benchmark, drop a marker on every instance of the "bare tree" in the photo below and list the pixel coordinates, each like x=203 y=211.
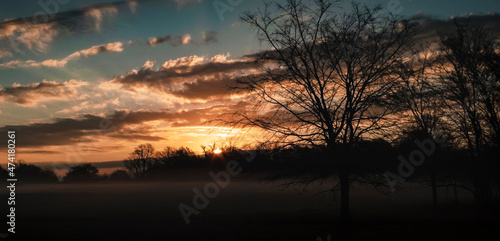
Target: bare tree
x=163 y=158
x=419 y=94
x=140 y=160
x=470 y=77
x=325 y=77
x=419 y=98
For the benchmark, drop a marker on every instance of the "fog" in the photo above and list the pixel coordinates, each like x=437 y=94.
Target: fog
x=246 y=209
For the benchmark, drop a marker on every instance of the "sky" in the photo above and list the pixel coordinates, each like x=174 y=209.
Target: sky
x=88 y=81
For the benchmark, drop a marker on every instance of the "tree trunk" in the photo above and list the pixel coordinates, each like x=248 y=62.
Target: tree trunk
x=344 y=197
x=482 y=191
x=455 y=190
x=433 y=181
x=434 y=189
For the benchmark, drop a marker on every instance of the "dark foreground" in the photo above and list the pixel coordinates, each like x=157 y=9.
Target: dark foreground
x=244 y=210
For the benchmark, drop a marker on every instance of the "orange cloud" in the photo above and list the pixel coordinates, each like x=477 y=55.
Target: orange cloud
x=35 y=36
x=125 y=125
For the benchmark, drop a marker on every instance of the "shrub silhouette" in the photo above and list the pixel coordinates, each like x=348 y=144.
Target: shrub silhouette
x=119 y=175
x=84 y=172
x=31 y=173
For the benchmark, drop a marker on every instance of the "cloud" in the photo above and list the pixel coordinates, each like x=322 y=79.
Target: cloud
x=94 y=50
x=216 y=86
x=40 y=152
x=132 y=6
x=172 y=40
x=59 y=63
x=159 y=40
x=183 y=62
x=127 y=125
x=145 y=76
x=53 y=63
x=193 y=77
x=430 y=28
x=37 y=32
x=34 y=36
x=209 y=37
x=5 y=53
x=97 y=13
x=29 y=95
x=46 y=63
x=185 y=39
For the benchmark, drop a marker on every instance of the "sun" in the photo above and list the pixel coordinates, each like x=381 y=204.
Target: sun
x=217 y=151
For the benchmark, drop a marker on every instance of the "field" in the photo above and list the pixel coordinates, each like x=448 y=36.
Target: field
x=245 y=210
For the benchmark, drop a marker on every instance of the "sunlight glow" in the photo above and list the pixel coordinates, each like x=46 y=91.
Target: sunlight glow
x=217 y=151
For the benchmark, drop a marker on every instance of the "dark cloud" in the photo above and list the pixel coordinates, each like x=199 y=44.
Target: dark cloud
x=205 y=89
x=36 y=32
x=159 y=40
x=430 y=28
x=37 y=92
x=209 y=68
x=119 y=125
x=218 y=86
x=145 y=76
x=209 y=37
x=190 y=77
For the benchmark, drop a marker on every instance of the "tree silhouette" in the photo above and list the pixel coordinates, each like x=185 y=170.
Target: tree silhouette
x=325 y=77
x=140 y=160
x=470 y=79
x=84 y=172
x=119 y=175
x=175 y=158
x=31 y=173
x=419 y=98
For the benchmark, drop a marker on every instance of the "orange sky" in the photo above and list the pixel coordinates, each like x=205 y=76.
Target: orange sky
x=99 y=79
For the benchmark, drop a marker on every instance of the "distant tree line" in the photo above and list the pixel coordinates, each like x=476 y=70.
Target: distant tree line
x=30 y=173
x=143 y=163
